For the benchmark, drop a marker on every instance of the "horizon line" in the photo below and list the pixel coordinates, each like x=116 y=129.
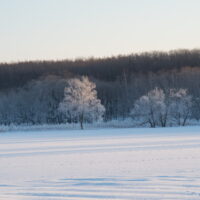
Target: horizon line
x=86 y=58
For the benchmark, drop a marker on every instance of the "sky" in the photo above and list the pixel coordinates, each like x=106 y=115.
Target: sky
x=69 y=29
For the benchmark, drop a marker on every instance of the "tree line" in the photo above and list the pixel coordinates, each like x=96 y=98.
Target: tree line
x=31 y=92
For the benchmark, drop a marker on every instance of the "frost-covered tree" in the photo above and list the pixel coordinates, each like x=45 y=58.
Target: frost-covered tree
x=151 y=108
x=180 y=106
x=80 y=101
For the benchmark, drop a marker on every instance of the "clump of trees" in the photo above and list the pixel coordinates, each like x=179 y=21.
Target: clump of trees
x=157 y=108
x=35 y=103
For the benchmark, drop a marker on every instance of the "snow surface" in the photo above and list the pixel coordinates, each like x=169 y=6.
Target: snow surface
x=147 y=164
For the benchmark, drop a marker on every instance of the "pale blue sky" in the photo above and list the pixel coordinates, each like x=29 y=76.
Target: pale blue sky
x=59 y=29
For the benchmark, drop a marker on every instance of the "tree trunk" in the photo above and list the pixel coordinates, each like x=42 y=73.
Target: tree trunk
x=81 y=121
x=185 y=119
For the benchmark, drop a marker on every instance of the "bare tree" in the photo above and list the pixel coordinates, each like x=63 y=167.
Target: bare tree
x=180 y=106
x=151 y=108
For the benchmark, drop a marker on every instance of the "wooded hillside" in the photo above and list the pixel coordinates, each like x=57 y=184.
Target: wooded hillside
x=30 y=92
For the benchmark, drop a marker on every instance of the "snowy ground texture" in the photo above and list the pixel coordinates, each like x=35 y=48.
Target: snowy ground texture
x=147 y=164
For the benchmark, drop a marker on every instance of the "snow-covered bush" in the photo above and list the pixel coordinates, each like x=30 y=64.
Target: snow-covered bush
x=80 y=103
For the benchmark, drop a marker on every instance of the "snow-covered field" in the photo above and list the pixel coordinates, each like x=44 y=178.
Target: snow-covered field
x=100 y=164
